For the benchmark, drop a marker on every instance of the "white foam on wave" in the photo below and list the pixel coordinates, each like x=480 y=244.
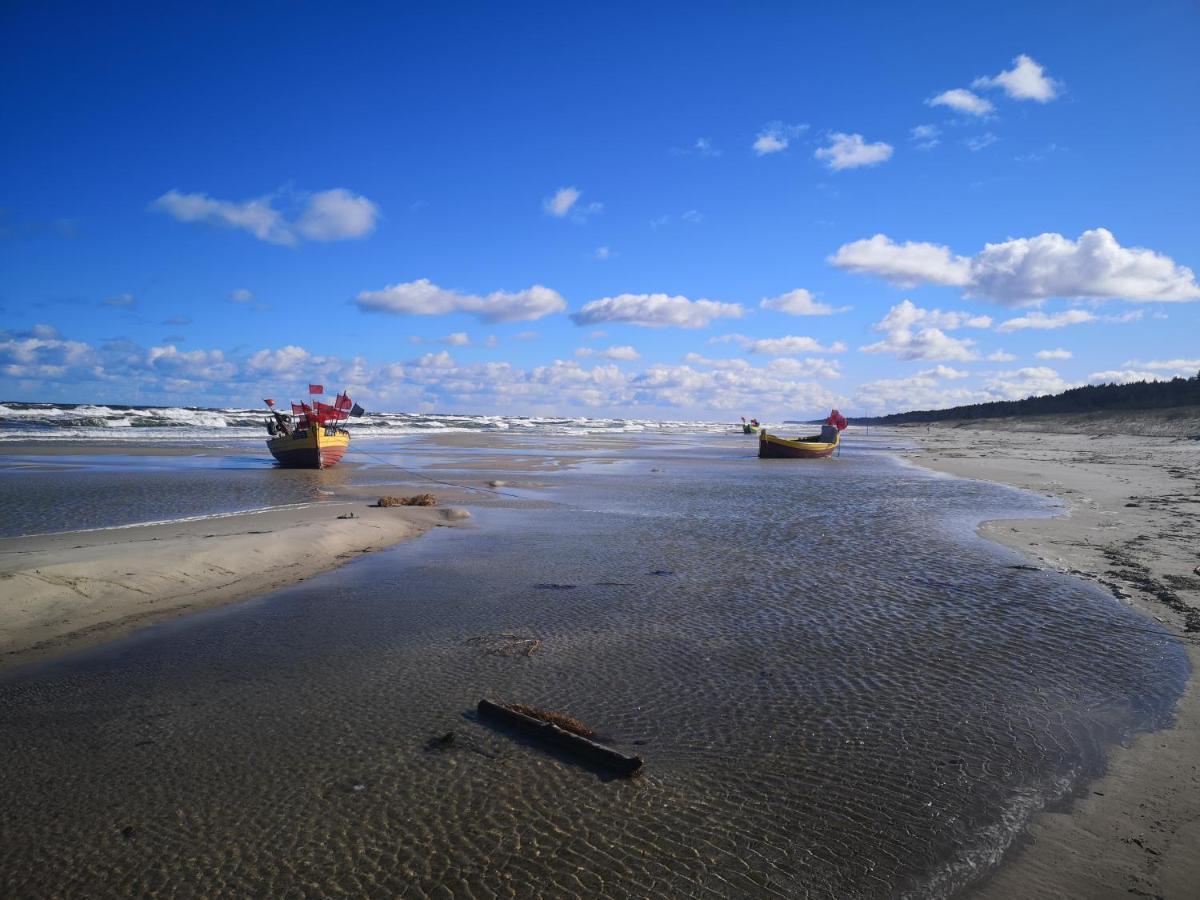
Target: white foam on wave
x=82 y=422
x=987 y=846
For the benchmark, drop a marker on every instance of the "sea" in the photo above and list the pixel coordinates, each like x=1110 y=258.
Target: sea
x=838 y=688
x=139 y=424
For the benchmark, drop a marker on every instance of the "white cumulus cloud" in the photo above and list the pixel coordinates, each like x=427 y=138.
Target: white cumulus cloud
x=1033 y=381
x=1126 y=376
x=799 y=303
x=906 y=314
x=907 y=264
x=708 y=362
x=924 y=343
x=290 y=362
x=255 y=216
x=565 y=202
x=42 y=353
x=44 y=332
x=1027 y=270
x=333 y=215
x=337 y=215
x=911 y=332
x=963 y=101
x=560 y=203
x=781 y=387
x=926 y=389
x=768 y=143
x=192 y=365
x=656 y=311
x=424 y=298
x=624 y=352
x=775 y=137
x=808 y=367
x=1094 y=266
x=1058 y=353
x=850 y=151
x=731 y=390
x=1026 y=80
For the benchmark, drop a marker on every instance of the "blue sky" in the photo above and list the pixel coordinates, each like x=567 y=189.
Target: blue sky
x=540 y=209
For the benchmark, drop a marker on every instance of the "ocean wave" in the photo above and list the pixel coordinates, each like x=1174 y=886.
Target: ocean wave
x=100 y=422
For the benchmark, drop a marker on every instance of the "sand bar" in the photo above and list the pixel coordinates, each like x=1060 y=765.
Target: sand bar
x=1133 y=524
x=60 y=592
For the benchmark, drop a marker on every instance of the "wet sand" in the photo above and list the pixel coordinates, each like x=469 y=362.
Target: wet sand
x=68 y=590
x=1132 y=524
x=850 y=721
x=61 y=592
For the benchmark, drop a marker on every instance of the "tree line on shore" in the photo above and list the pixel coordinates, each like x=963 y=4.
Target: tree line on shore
x=1136 y=395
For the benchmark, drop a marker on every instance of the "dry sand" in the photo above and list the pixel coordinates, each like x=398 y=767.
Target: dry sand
x=60 y=592
x=1133 y=524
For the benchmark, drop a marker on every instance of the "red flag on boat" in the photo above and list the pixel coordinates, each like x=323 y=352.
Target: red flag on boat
x=303 y=413
x=327 y=413
x=343 y=402
x=838 y=420
x=316 y=389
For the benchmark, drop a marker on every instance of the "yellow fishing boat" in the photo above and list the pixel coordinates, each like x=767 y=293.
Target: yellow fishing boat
x=310 y=448
x=771 y=447
x=313 y=436
x=815 y=447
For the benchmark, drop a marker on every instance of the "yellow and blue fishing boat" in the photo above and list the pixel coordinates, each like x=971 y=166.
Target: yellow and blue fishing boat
x=312 y=437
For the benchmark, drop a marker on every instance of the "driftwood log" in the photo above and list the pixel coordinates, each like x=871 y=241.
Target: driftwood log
x=586 y=749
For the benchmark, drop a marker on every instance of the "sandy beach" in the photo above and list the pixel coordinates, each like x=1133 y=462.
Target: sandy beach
x=72 y=589
x=61 y=592
x=1131 y=523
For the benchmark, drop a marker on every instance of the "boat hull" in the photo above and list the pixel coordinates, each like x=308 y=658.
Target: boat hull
x=771 y=447
x=310 y=448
